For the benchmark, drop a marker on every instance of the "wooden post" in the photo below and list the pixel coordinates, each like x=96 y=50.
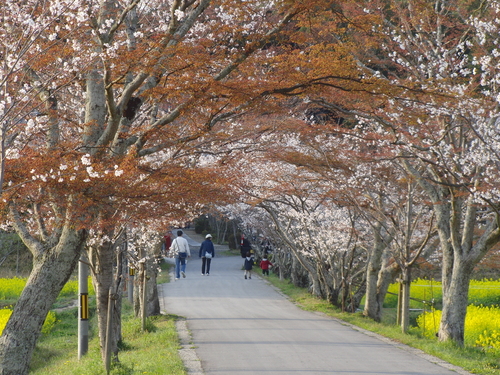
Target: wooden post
x=109 y=326
x=400 y=300
x=144 y=296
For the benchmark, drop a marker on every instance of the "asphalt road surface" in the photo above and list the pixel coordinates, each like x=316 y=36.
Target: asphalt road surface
x=244 y=327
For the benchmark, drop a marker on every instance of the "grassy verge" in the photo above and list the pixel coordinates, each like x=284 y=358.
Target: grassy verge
x=228 y=253
x=164 y=275
x=473 y=360
x=151 y=352
x=156 y=351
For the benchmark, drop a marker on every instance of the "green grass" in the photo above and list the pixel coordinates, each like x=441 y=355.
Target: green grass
x=164 y=275
x=227 y=253
x=471 y=359
x=156 y=351
x=151 y=352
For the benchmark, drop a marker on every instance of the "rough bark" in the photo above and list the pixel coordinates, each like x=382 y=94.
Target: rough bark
x=405 y=299
x=106 y=260
x=462 y=258
x=282 y=261
x=455 y=301
x=377 y=277
x=150 y=255
x=95 y=108
x=152 y=299
x=457 y=219
x=101 y=257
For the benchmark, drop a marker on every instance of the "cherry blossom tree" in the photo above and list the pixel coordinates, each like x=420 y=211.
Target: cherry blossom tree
x=424 y=93
x=447 y=138
x=420 y=91
x=106 y=106
x=379 y=194
x=321 y=234
x=145 y=245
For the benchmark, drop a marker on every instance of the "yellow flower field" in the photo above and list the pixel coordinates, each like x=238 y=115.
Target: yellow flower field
x=482 y=326
x=481 y=292
x=10 y=289
x=49 y=323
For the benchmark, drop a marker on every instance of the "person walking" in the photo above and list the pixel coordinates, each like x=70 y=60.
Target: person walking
x=167 y=242
x=180 y=248
x=245 y=246
x=248 y=265
x=264 y=265
x=207 y=252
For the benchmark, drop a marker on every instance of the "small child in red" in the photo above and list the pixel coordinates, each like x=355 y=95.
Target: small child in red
x=264 y=265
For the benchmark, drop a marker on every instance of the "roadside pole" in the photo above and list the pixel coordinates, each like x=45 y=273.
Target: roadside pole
x=130 y=288
x=83 y=310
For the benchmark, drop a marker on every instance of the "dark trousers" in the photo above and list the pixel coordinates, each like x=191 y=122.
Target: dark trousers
x=265 y=272
x=205 y=264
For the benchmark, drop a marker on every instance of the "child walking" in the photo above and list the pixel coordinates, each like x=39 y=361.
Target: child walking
x=264 y=265
x=248 y=266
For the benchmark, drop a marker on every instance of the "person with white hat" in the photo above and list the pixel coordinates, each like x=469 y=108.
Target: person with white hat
x=207 y=252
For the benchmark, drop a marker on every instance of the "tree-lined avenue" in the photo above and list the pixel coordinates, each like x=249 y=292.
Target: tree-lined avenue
x=244 y=327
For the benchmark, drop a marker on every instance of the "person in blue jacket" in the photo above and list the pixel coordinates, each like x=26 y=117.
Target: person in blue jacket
x=207 y=252
x=248 y=265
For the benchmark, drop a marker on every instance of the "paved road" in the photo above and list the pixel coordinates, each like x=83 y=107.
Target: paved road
x=243 y=327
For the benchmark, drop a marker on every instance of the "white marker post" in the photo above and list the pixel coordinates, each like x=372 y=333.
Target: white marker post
x=83 y=307
x=130 y=289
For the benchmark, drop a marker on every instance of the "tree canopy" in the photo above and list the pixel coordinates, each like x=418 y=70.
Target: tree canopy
x=376 y=120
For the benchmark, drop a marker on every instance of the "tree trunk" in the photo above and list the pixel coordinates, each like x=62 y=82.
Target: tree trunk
x=138 y=292
x=455 y=301
x=152 y=299
x=372 y=307
x=355 y=298
x=95 y=109
x=299 y=278
x=222 y=238
x=282 y=261
x=51 y=271
x=152 y=303
x=461 y=247
x=405 y=300
x=102 y=258
x=377 y=277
